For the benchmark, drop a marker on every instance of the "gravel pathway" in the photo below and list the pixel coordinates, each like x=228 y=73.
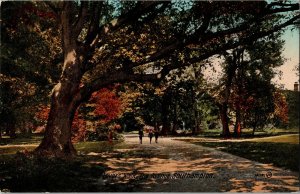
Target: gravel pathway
x=177 y=166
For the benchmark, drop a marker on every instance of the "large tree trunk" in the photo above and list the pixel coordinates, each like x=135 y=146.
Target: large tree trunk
x=65 y=97
x=57 y=140
x=223 y=107
x=64 y=102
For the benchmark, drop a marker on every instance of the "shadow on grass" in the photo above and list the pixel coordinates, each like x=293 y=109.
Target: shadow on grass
x=22 y=139
x=20 y=173
x=284 y=155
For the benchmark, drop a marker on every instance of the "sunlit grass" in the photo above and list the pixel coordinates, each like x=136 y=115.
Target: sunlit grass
x=277 y=151
x=292 y=139
x=247 y=132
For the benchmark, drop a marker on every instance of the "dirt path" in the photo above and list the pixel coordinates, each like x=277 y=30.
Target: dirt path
x=178 y=166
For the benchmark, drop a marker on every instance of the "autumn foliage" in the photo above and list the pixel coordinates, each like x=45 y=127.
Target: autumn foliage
x=106 y=104
x=281 y=107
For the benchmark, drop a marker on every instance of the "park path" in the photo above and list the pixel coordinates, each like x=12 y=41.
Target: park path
x=178 y=166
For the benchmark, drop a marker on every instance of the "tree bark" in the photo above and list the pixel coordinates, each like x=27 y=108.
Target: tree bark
x=64 y=103
x=237 y=127
x=197 y=129
x=65 y=97
x=57 y=139
x=175 y=126
x=224 y=119
x=166 y=126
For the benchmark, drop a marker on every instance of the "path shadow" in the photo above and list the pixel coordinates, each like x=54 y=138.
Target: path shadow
x=157 y=170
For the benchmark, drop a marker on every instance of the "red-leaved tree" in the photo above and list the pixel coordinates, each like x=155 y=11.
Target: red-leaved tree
x=107 y=104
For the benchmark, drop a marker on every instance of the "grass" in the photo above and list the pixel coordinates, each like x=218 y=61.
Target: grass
x=291 y=139
x=21 y=172
x=247 y=133
x=21 y=139
x=281 y=151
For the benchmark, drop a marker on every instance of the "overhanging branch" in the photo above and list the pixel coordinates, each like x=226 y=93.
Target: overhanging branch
x=117 y=77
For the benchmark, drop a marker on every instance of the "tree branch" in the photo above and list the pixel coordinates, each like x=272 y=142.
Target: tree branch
x=228 y=46
x=53 y=7
x=117 y=77
x=181 y=43
x=94 y=23
x=123 y=76
x=78 y=25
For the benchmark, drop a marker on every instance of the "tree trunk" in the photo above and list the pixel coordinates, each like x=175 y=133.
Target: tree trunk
x=254 y=128
x=254 y=124
x=175 y=127
x=12 y=130
x=224 y=120
x=64 y=102
x=65 y=97
x=166 y=126
x=196 y=129
x=237 y=126
x=57 y=140
x=175 y=120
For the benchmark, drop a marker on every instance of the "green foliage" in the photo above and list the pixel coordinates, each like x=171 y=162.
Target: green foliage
x=131 y=121
x=27 y=73
x=292 y=98
x=260 y=104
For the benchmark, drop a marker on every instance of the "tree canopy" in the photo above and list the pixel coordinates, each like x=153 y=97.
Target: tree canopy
x=94 y=44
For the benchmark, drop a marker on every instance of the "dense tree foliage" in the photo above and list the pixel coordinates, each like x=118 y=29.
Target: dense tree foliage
x=116 y=42
x=292 y=98
x=30 y=45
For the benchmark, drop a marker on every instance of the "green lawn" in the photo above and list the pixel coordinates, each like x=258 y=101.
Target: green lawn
x=291 y=139
x=19 y=172
x=247 y=133
x=281 y=151
x=23 y=173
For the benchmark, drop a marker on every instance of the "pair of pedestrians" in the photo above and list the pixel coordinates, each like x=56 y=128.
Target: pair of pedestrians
x=150 y=135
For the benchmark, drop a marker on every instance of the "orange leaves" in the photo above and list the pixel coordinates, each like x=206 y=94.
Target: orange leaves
x=107 y=104
x=281 y=107
x=78 y=128
x=43 y=113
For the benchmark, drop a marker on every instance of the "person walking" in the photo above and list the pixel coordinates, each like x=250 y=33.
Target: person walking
x=156 y=134
x=150 y=135
x=141 y=134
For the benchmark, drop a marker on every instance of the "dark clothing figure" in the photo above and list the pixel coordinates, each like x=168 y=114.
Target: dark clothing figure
x=150 y=135
x=156 y=133
x=141 y=134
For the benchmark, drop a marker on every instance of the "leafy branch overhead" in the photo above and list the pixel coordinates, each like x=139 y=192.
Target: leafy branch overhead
x=81 y=47
x=114 y=44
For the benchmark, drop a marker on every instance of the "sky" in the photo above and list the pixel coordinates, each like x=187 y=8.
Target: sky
x=291 y=53
x=288 y=76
